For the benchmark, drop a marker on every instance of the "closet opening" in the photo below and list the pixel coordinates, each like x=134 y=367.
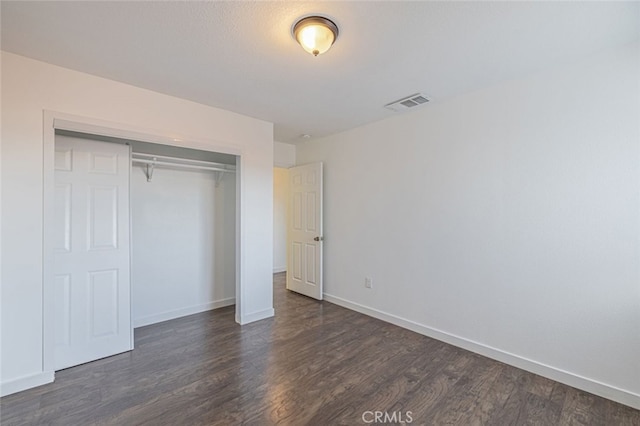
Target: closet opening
x=183 y=214
x=144 y=232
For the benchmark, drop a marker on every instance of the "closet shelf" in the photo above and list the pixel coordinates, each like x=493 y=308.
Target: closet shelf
x=151 y=161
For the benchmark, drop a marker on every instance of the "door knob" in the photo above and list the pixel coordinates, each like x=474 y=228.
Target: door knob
x=318 y=239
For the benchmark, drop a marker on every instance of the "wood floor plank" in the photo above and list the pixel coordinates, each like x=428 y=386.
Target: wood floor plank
x=539 y=411
x=493 y=400
x=466 y=396
x=541 y=386
x=558 y=394
x=314 y=363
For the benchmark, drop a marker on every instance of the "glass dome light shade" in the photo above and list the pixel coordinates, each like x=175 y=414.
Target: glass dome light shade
x=315 y=34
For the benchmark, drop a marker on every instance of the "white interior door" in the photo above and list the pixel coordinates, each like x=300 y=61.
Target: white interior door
x=304 y=233
x=92 y=253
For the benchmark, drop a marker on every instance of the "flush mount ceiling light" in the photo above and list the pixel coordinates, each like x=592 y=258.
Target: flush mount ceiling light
x=315 y=34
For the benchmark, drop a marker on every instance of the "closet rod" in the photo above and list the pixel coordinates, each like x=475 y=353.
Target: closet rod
x=158 y=159
x=187 y=166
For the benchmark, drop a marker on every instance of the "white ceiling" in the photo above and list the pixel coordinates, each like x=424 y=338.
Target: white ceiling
x=241 y=56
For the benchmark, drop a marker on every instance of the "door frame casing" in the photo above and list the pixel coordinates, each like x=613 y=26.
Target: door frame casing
x=53 y=121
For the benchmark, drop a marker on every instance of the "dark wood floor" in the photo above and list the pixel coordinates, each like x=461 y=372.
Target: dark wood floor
x=313 y=364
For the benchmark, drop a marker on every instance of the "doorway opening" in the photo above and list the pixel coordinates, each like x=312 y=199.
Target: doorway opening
x=280 y=215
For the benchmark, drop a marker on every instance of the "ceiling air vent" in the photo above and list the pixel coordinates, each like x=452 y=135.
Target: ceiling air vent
x=408 y=102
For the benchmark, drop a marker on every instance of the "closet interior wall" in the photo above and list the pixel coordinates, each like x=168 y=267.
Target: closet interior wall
x=183 y=242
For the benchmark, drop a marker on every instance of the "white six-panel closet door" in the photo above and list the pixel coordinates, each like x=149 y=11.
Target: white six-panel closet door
x=92 y=250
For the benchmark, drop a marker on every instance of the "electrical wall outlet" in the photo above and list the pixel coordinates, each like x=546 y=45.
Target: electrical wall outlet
x=368 y=282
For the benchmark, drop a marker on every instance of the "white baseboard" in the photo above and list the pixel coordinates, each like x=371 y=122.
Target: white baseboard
x=589 y=385
x=277 y=269
x=177 y=313
x=256 y=316
x=25 y=382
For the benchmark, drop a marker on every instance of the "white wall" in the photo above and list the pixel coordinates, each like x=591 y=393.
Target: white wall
x=28 y=88
x=505 y=220
x=183 y=243
x=280 y=200
x=284 y=154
